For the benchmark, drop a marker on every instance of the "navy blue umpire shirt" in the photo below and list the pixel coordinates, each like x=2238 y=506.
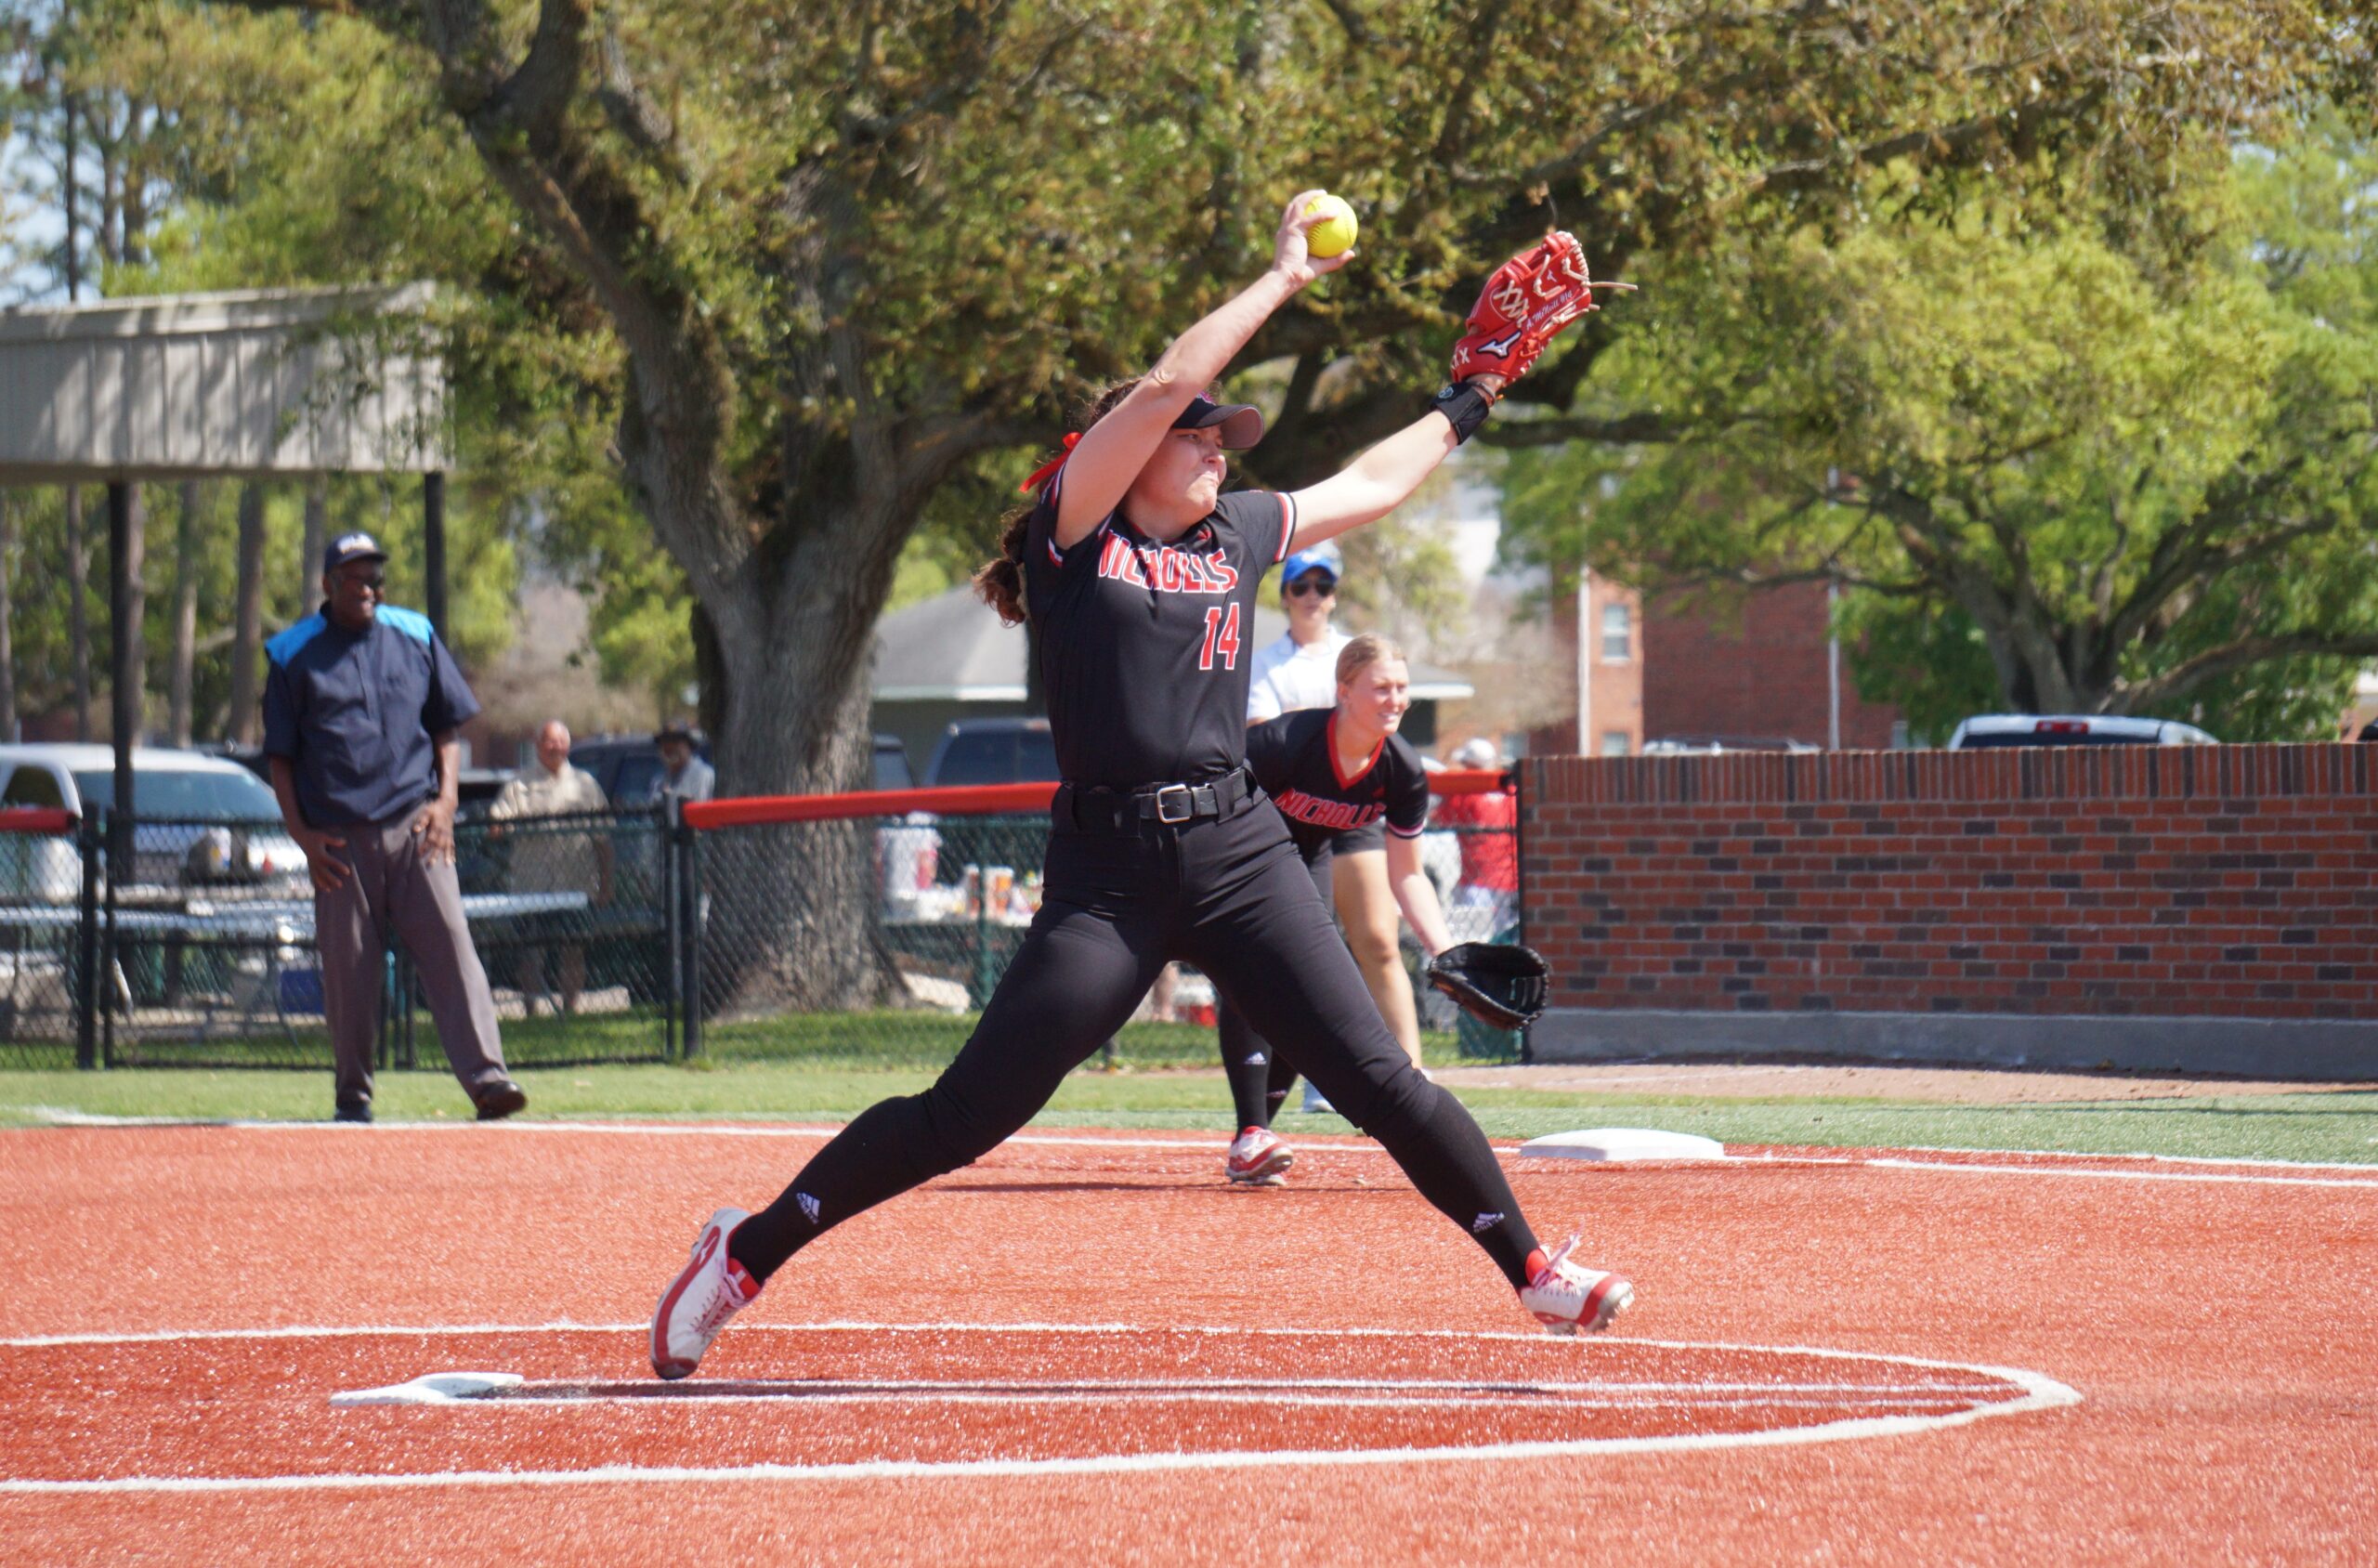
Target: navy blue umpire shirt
x=355 y=711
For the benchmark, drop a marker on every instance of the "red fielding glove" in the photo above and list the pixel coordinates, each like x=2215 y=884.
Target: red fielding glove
x=1524 y=306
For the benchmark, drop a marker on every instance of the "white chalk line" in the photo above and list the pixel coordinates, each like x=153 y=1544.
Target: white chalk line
x=2038 y=1392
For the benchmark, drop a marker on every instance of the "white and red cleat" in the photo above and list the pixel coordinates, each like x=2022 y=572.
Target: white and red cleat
x=710 y=1289
x=1567 y=1296
x=1259 y=1159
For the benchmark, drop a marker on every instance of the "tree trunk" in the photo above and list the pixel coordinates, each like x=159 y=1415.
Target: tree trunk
x=185 y=658
x=247 y=632
x=309 y=557
x=792 y=919
x=78 y=609
x=7 y=617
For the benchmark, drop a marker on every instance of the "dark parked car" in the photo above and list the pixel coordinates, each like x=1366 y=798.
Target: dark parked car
x=629 y=766
x=993 y=752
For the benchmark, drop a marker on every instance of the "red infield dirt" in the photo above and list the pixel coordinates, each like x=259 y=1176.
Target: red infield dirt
x=1089 y=1347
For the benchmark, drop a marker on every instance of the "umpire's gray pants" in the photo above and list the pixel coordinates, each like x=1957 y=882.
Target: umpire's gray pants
x=391 y=889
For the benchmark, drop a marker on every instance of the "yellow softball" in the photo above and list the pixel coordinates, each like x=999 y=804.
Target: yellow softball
x=1335 y=235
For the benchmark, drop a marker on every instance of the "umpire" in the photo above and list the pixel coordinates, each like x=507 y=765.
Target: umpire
x=361 y=705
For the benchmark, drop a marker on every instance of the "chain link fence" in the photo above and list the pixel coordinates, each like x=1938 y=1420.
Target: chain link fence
x=42 y=925
x=881 y=938
x=202 y=954
x=610 y=937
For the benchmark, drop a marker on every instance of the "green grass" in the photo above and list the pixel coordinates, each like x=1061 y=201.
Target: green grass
x=824 y=1082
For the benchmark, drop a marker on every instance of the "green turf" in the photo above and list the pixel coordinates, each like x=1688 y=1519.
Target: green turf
x=826 y=1086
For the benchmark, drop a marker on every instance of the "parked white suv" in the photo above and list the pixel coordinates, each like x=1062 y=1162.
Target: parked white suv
x=2072 y=730
x=203 y=821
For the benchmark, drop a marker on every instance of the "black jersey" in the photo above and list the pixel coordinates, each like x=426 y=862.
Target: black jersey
x=1146 y=649
x=1295 y=758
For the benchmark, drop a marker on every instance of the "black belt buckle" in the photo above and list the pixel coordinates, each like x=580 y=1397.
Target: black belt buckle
x=1169 y=793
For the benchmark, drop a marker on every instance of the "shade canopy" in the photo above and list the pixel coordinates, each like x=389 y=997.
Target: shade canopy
x=246 y=385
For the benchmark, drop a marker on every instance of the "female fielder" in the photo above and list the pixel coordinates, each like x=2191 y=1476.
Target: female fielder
x=1140 y=576
x=1297 y=671
x=1338 y=774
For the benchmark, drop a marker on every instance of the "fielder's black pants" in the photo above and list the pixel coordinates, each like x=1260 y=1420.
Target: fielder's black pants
x=1229 y=894
x=1260 y=1073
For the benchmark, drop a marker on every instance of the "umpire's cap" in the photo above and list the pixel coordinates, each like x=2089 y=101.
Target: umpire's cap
x=1241 y=423
x=356 y=546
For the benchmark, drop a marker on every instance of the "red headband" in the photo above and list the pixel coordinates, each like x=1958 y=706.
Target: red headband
x=1048 y=469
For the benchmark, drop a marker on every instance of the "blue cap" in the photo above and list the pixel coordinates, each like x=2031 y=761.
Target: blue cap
x=1322 y=557
x=358 y=546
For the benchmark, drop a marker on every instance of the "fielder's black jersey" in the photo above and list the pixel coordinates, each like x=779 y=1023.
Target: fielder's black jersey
x=1295 y=758
x=1146 y=649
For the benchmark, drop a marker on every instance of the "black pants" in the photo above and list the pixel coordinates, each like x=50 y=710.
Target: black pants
x=1228 y=895
x=1260 y=1073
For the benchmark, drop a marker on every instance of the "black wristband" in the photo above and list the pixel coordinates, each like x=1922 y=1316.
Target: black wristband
x=1465 y=404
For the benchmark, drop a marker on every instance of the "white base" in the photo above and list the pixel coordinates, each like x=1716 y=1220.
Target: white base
x=439 y=1388
x=1624 y=1142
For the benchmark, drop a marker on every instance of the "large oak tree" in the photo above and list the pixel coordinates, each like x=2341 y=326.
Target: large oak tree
x=813 y=262
x=2076 y=462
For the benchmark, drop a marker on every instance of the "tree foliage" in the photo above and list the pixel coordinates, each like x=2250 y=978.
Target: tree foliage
x=836 y=255
x=2112 y=465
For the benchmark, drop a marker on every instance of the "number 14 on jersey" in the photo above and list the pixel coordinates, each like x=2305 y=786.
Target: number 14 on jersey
x=1221 y=636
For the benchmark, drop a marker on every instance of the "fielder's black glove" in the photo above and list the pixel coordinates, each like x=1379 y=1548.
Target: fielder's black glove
x=1497 y=983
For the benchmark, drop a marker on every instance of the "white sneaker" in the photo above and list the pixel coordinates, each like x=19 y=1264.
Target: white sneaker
x=710 y=1289
x=1314 y=1104
x=1567 y=1296
x=1259 y=1159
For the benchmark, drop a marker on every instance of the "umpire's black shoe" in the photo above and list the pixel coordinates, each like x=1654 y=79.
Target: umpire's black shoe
x=499 y=1099
x=352 y=1112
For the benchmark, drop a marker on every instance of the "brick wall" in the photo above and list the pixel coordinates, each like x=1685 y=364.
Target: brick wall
x=2235 y=882
x=1755 y=666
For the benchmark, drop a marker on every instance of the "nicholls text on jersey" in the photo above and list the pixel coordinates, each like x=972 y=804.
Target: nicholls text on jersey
x=1336 y=816
x=1165 y=570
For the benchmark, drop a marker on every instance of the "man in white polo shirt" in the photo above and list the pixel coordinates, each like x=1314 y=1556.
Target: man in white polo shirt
x=1299 y=669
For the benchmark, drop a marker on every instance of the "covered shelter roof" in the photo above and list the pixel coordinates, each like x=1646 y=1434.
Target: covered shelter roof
x=245 y=385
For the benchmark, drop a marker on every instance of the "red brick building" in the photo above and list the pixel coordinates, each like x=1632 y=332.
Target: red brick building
x=1756 y=665
x=1607 y=647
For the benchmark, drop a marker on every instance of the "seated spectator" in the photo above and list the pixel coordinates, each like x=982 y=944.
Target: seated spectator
x=685 y=774
x=1486 y=902
x=554 y=860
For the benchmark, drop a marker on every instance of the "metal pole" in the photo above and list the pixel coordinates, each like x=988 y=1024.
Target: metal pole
x=1832 y=669
x=1585 y=662
x=692 y=915
x=666 y=822
x=984 y=985
x=1519 y=859
x=432 y=550
x=124 y=663
x=86 y=957
x=110 y=959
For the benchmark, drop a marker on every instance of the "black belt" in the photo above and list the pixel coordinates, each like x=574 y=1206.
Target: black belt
x=1124 y=810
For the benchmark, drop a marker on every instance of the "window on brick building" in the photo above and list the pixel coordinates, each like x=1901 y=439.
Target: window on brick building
x=1617 y=634
x=1617 y=743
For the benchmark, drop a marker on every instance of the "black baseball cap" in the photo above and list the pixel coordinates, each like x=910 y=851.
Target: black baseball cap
x=348 y=547
x=674 y=732
x=1242 y=424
